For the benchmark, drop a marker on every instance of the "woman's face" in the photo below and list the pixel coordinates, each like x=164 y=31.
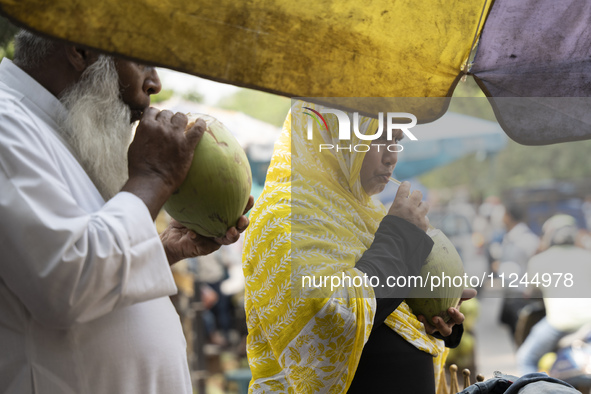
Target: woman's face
x=378 y=164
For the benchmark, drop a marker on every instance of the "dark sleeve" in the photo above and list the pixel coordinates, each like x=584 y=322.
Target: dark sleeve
x=399 y=249
x=454 y=339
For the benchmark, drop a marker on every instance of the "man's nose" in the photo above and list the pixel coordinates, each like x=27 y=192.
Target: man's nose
x=152 y=84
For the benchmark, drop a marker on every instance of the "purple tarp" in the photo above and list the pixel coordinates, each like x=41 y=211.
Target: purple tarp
x=534 y=63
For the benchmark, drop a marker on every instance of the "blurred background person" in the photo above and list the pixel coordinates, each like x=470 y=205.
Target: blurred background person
x=518 y=246
x=586 y=208
x=221 y=273
x=519 y=243
x=563 y=315
x=489 y=223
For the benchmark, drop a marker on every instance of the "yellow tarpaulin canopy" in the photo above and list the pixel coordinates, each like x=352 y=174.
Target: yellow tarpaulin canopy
x=307 y=48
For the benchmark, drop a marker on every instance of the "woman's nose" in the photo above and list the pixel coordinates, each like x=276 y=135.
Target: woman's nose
x=390 y=158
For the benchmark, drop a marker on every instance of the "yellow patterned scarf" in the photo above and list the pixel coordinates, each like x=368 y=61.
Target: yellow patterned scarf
x=314 y=219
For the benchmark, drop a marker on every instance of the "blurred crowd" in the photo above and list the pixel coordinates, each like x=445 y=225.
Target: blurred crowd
x=513 y=238
x=495 y=236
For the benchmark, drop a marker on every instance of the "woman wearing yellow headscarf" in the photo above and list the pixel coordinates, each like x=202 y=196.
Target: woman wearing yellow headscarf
x=315 y=237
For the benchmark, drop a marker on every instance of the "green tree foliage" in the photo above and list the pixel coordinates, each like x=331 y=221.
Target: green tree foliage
x=7 y=32
x=194 y=96
x=515 y=166
x=462 y=103
x=264 y=106
x=163 y=95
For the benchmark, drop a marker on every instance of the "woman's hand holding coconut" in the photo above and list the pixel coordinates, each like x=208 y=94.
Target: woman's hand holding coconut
x=409 y=206
x=456 y=317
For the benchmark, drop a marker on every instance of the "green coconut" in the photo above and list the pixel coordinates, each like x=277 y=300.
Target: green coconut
x=443 y=260
x=217 y=187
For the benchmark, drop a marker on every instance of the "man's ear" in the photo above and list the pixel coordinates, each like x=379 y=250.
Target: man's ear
x=80 y=58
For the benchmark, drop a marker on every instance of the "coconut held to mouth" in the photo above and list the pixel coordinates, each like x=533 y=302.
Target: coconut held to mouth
x=217 y=187
x=445 y=263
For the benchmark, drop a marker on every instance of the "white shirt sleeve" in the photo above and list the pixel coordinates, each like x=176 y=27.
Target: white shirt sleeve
x=68 y=265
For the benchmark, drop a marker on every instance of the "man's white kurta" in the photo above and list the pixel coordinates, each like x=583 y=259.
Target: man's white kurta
x=84 y=284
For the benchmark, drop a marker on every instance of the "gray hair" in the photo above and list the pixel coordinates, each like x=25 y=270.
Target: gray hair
x=30 y=49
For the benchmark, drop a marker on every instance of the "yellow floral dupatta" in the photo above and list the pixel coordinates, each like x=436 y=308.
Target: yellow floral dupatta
x=314 y=219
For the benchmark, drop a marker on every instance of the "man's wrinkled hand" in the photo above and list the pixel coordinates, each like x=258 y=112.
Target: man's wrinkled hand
x=233 y=233
x=181 y=243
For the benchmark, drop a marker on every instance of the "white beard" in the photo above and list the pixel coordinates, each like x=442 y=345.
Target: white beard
x=97 y=126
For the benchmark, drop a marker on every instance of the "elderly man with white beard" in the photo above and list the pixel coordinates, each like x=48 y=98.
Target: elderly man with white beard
x=84 y=276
